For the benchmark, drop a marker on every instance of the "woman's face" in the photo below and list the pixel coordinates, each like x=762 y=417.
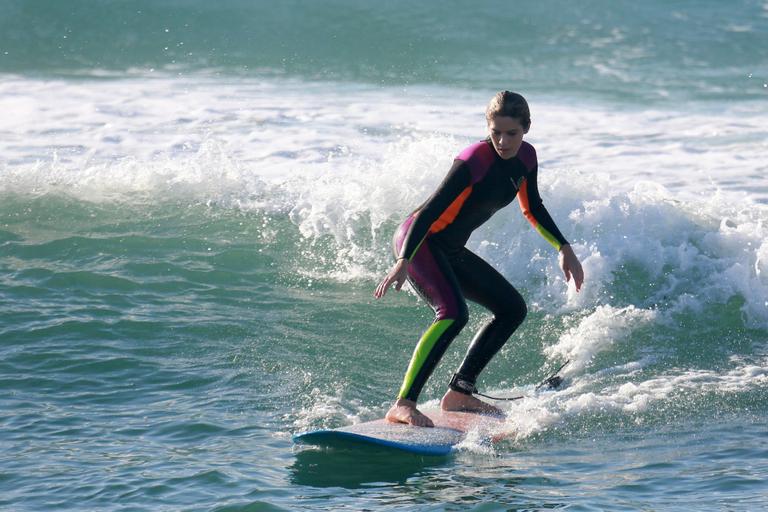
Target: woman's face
x=506 y=135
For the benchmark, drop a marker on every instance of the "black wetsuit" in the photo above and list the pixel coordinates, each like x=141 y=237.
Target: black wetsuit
x=445 y=272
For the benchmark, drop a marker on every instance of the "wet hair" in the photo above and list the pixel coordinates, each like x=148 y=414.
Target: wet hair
x=509 y=104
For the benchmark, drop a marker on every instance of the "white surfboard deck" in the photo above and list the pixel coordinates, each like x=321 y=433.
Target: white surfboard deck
x=451 y=428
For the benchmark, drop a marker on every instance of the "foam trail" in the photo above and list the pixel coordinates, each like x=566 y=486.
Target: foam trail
x=637 y=399
x=597 y=332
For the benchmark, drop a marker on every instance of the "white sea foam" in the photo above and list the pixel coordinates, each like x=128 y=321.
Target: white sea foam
x=329 y=411
x=597 y=332
x=632 y=399
x=288 y=130
x=674 y=197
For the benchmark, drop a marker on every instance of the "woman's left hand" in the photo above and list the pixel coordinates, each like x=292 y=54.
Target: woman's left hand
x=571 y=266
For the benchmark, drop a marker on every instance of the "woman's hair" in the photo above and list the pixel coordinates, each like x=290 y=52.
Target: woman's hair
x=509 y=104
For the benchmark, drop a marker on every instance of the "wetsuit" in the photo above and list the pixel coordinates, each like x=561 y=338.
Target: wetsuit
x=444 y=271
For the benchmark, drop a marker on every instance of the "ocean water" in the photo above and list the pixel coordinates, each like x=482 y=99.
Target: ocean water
x=197 y=201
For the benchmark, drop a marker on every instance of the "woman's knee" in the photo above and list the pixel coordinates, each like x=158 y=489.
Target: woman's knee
x=522 y=310
x=462 y=315
x=514 y=313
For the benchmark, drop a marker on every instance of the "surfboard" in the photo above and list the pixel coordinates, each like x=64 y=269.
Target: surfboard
x=451 y=428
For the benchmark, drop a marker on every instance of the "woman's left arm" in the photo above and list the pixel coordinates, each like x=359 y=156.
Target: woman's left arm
x=534 y=210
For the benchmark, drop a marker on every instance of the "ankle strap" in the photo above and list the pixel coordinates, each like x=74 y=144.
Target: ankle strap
x=461 y=384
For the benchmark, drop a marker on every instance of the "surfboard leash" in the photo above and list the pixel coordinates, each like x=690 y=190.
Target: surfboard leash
x=552 y=382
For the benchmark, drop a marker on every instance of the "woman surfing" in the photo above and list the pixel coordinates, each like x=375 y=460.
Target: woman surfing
x=431 y=255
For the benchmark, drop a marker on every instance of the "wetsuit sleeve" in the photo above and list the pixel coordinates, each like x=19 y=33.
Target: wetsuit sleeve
x=456 y=183
x=533 y=209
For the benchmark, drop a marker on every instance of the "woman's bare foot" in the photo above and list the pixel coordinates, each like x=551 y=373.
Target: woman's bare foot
x=455 y=401
x=404 y=411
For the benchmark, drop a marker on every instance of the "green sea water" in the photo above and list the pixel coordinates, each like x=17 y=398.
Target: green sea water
x=159 y=356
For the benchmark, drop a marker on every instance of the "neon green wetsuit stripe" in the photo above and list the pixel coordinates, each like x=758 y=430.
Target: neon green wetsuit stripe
x=422 y=351
x=410 y=257
x=549 y=237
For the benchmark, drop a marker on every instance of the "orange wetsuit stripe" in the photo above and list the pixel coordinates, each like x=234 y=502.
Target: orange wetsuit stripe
x=451 y=212
x=525 y=206
x=522 y=196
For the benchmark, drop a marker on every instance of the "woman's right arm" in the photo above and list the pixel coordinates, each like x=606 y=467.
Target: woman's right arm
x=456 y=181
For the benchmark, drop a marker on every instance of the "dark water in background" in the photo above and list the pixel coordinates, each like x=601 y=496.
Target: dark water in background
x=639 y=51
x=196 y=201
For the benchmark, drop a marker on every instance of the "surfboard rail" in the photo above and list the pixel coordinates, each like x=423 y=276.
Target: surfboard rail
x=450 y=430
x=442 y=443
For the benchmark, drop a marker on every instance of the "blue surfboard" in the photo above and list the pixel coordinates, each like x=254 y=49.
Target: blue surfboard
x=450 y=430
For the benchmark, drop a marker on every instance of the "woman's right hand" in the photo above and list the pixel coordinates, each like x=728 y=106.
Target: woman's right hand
x=397 y=275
